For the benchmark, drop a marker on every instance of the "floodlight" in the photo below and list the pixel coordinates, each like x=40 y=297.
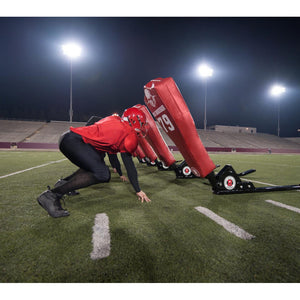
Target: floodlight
x=277 y=90
x=71 y=50
x=205 y=71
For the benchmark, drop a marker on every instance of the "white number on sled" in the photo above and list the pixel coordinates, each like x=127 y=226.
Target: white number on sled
x=166 y=123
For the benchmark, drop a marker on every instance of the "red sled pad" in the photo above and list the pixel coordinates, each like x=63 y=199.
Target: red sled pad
x=156 y=140
x=167 y=105
x=149 y=152
x=139 y=152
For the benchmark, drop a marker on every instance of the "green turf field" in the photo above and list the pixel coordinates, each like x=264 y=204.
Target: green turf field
x=166 y=240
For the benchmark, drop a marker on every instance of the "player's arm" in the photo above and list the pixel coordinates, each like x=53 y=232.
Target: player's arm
x=133 y=177
x=114 y=161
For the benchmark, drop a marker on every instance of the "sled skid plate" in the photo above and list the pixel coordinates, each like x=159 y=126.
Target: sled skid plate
x=227 y=181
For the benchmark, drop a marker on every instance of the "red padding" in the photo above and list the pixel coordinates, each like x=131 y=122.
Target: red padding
x=149 y=152
x=156 y=140
x=139 y=152
x=167 y=105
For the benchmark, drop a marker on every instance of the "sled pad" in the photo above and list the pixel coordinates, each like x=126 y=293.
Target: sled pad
x=149 y=152
x=168 y=107
x=156 y=140
x=139 y=152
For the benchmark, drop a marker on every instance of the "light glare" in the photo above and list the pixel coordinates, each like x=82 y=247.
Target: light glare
x=71 y=50
x=205 y=71
x=277 y=90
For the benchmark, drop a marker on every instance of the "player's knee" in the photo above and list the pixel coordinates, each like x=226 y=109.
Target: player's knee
x=103 y=175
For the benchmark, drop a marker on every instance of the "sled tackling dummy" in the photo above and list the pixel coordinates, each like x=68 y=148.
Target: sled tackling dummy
x=155 y=140
x=168 y=107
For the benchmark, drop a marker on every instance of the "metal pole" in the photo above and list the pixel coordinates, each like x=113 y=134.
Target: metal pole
x=278 y=118
x=71 y=100
x=205 y=121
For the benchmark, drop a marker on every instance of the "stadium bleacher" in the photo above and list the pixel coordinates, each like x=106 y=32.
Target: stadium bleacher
x=32 y=135
x=294 y=139
x=17 y=131
x=45 y=135
x=51 y=132
x=245 y=140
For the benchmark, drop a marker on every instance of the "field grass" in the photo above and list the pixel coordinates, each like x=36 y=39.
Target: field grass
x=166 y=240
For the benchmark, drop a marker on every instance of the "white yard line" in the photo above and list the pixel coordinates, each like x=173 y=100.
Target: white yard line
x=265 y=183
x=230 y=227
x=292 y=208
x=40 y=166
x=101 y=237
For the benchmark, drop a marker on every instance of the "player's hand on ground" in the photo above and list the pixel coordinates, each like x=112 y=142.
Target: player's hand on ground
x=143 y=197
x=123 y=178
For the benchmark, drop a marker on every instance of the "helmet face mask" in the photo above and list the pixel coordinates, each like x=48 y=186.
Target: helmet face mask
x=136 y=119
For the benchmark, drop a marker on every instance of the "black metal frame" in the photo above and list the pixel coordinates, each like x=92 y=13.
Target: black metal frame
x=227 y=181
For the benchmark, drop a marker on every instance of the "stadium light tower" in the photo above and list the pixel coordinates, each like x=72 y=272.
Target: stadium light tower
x=72 y=51
x=205 y=72
x=276 y=91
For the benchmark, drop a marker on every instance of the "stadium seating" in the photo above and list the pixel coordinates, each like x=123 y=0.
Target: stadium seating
x=51 y=132
x=31 y=134
x=235 y=141
x=245 y=140
x=16 y=131
x=28 y=133
x=295 y=140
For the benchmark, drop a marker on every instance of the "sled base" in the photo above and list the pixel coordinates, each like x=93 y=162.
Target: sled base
x=227 y=181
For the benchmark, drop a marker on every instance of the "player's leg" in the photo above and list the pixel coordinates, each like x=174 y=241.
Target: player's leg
x=90 y=161
x=93 y=170
x=65 y=179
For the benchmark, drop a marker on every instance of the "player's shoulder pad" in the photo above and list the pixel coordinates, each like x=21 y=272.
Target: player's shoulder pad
x=131 y=142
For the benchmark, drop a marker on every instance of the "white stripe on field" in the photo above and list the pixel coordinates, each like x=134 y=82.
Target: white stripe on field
x=270 y=184
x=101 y=237
x=230 y=227
x=43 y=165
x=297 y=210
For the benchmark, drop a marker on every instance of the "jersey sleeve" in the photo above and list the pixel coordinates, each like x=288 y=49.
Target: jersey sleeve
x=131 y=171
x=115 y=163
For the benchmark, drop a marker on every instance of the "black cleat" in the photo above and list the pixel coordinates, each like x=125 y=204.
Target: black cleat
x=51 y=203
x=61 y=182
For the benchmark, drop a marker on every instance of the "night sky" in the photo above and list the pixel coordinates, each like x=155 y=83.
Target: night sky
x=121 y=54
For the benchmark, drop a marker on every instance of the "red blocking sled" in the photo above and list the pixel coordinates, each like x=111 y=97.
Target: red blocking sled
x=167 y=105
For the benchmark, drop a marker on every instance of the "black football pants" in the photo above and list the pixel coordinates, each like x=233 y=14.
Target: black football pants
x=85 y=156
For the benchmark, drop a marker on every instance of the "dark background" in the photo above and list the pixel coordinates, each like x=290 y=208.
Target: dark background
x=121 y=54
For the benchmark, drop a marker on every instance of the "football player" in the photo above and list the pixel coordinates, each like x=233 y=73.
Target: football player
x=86 y=147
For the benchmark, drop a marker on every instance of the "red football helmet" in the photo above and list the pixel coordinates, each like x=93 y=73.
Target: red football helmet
x=136 y=119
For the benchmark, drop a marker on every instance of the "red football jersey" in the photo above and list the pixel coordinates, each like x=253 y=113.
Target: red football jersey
x=110 y=134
